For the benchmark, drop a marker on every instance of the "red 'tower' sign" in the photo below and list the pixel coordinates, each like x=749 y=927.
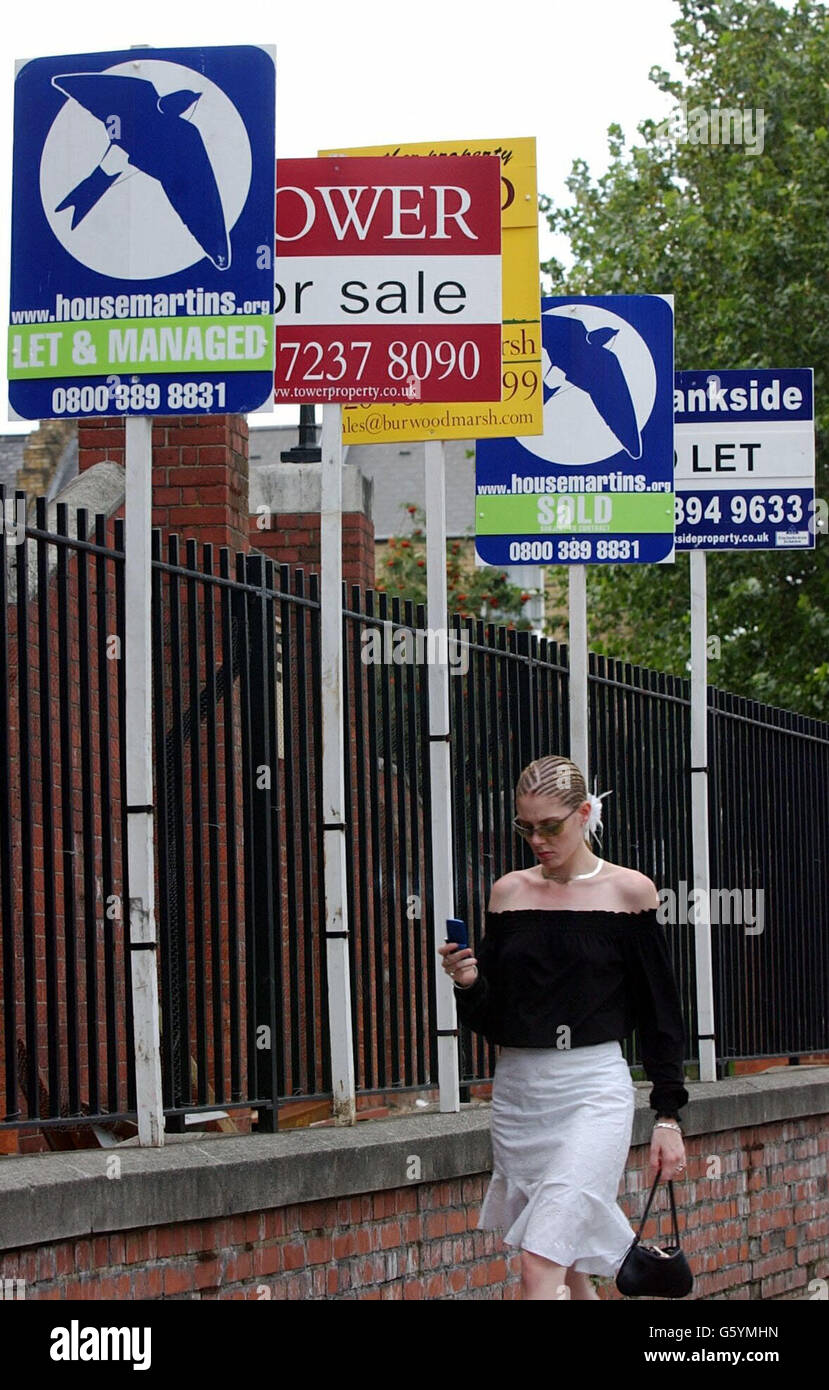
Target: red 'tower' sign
x=388 y=279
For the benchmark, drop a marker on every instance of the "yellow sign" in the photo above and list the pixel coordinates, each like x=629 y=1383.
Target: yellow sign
x=520 y=409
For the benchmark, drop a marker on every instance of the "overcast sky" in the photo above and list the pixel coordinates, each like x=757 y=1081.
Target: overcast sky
x=368 y=72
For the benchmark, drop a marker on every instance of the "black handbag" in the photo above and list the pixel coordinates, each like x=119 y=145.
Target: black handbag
x=661 y=1272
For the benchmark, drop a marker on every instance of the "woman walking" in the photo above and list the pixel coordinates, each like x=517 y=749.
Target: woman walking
x=571 y=960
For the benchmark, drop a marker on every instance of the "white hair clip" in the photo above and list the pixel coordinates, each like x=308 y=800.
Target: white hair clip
x=594 y=820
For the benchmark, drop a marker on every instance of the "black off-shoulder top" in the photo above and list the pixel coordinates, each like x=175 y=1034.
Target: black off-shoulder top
x=597 y=973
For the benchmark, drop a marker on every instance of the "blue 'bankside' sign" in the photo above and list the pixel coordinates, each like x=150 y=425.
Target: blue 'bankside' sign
x=745 y=459
x=597 y=486
x=142 y=233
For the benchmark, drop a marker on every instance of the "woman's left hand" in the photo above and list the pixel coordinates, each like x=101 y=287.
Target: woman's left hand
x=667 y=1153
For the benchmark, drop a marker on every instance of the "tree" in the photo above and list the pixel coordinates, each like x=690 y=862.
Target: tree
x=472 y=591
x=740 y=239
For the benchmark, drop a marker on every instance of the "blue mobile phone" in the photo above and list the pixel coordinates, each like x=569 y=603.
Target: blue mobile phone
x=456 y=931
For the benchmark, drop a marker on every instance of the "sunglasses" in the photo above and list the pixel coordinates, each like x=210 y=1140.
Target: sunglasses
x=548 y=830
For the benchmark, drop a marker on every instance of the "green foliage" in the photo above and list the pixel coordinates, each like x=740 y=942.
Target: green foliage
x=472 y=591
x=740 y=240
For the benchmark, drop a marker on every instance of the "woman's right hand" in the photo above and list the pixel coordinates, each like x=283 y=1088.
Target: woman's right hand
x=459 y=963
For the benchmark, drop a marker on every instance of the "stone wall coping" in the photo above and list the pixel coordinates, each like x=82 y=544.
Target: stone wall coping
x=57 y=1196
x=297 y=488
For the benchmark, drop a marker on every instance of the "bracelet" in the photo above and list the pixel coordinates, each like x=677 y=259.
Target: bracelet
x=668 y=1124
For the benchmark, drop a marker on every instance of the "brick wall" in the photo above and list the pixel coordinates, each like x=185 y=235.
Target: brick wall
x=410 y=1243
x=759 y=1230
x=294 y=538
x=200 y=473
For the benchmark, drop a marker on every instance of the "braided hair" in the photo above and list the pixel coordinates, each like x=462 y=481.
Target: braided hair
x=554 y=775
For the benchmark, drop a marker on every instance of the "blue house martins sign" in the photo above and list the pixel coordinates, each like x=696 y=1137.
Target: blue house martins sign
x=597 y=486
x=142 y=233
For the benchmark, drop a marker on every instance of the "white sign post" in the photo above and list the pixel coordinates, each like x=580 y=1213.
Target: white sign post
x=706 y=1038
x=143 y=942
x=440 y=766
x=577 y=660
x=333 y=784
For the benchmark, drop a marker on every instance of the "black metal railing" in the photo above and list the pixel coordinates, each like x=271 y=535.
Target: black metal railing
x=237 y=856
x=769 y=836
x=66 y=997
x=237 y=751
x=389 y=866
x=236 y=704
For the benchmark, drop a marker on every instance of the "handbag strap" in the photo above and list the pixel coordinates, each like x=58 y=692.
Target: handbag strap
x=673 y=1213
x=648 y=1207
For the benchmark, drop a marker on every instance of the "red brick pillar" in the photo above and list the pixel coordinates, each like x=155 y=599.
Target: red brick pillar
x=293 y=538
x=200 y=473
x=358 y=549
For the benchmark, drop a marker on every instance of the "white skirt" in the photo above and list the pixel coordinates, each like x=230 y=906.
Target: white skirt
x=561 y=1129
